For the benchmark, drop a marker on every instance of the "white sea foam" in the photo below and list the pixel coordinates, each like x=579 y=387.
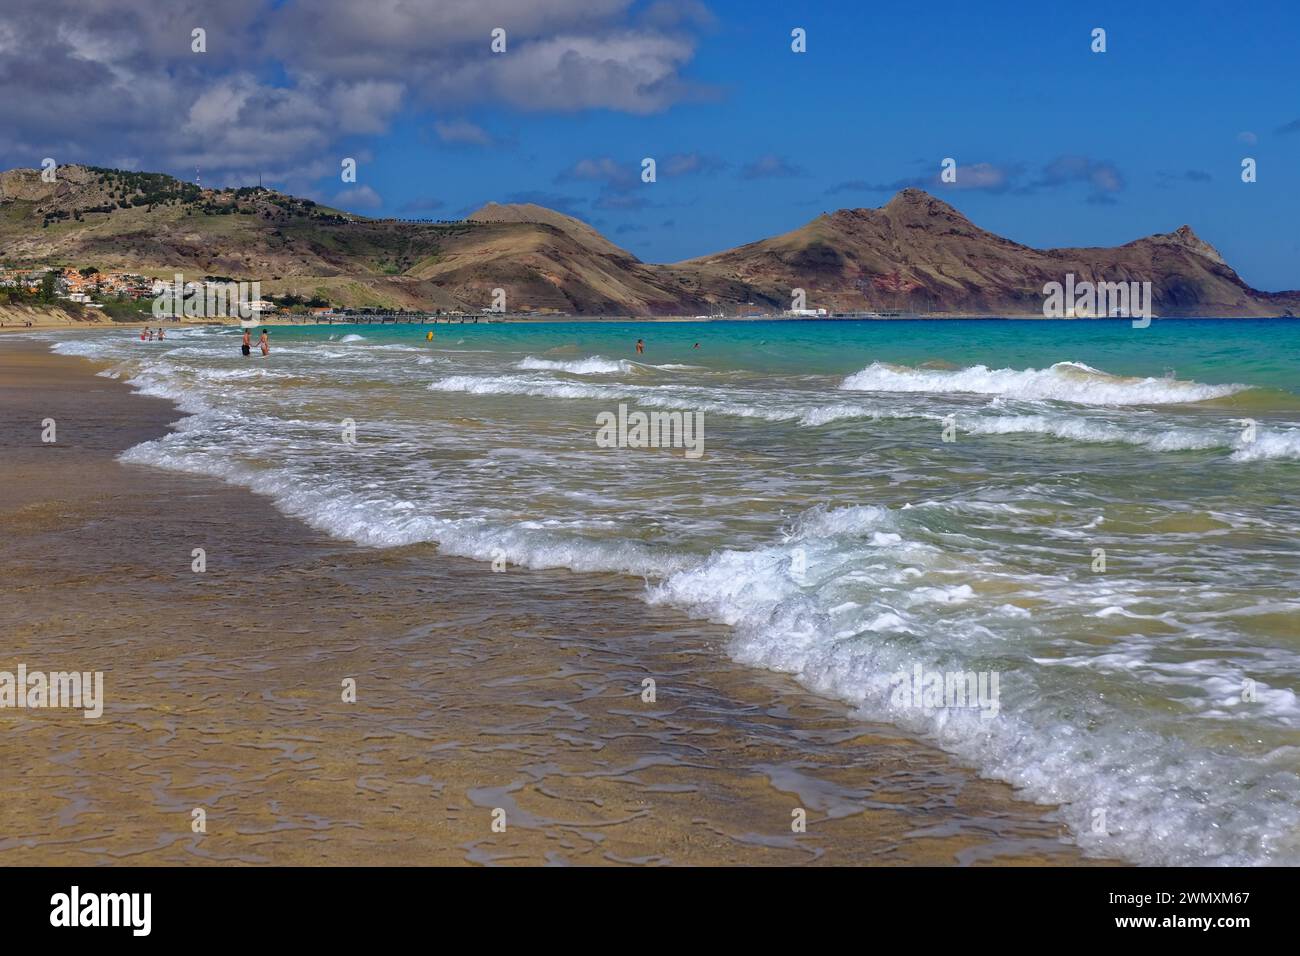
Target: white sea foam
x=795 y=623
x=378 y=521
x=1270 y=445
x=825 y=414
x=1153 y=435
x=714 y=401
x=595 y=365
x=827 y=604
x=1090 y=431
x=86 y=347
x=842 y=598
x=511 y=385
x=229 y=374
x=1064 y=381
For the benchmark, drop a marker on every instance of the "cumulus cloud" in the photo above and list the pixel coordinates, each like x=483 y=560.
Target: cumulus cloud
x=1102 y=178
x=614 y=175
x=619 y=178
x=561 y=55
x=359 y=197
x=633 y=72
x=986 y=176
x=689 y=164
x=283 y=82
x=983 y=177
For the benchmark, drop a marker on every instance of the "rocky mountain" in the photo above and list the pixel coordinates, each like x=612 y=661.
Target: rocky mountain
x=919 y=254
x=916 y=254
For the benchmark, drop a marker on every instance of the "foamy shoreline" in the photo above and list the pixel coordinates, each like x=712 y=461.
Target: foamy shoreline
x=49 y=321
x=969 y=458
x=450 y=717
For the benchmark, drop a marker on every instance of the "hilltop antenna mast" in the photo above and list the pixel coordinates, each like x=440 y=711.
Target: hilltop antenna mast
x=197 y=180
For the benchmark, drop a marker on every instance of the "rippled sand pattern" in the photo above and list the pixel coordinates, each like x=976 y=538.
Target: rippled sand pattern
x=477 y=691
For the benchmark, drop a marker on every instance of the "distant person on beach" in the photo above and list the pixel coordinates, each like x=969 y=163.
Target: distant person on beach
x=247 y=347
x=697 y=345
x=161 y=334
x=264 y=343
x=429 y=337
x=142 y=335
x=640 y=347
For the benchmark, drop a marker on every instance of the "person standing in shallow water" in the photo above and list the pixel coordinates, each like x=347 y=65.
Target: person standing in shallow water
x=640 y=347
x=247 y=346
x=264 y=343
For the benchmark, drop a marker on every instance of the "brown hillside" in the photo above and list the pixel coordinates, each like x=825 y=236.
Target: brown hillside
x=915 y=253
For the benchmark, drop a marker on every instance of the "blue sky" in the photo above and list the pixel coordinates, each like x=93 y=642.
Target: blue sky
x=1055 y=145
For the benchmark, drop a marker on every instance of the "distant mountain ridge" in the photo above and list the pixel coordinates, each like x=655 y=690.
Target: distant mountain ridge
x=914 y=254
x=919 y=254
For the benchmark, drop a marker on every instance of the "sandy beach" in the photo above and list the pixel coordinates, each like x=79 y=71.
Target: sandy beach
x=15 y=318
x=476 y=692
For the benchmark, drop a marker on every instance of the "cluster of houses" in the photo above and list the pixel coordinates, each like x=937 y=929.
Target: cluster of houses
x=212 y=298
x=77 y=286
x=72 y=284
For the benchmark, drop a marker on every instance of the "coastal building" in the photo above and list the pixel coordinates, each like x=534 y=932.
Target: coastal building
x=71 y=281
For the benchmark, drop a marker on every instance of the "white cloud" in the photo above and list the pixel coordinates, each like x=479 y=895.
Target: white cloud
x=282 y=84
x=359 y=197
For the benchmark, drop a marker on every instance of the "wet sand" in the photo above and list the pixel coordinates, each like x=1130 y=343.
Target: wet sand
x=476 y=692
x=14 y=319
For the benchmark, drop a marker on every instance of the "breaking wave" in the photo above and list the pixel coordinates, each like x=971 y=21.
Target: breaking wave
x=1063 y=382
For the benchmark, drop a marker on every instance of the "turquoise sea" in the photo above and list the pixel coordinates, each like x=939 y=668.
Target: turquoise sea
x=1105 y=518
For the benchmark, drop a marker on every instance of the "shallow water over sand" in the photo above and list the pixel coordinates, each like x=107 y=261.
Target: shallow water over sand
x=476 y=691
x=872 y=497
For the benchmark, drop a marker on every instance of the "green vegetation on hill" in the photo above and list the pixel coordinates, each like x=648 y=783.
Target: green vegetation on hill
x=291 y=301
x=128 y=310
x=916 y=253
x=43 y=298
